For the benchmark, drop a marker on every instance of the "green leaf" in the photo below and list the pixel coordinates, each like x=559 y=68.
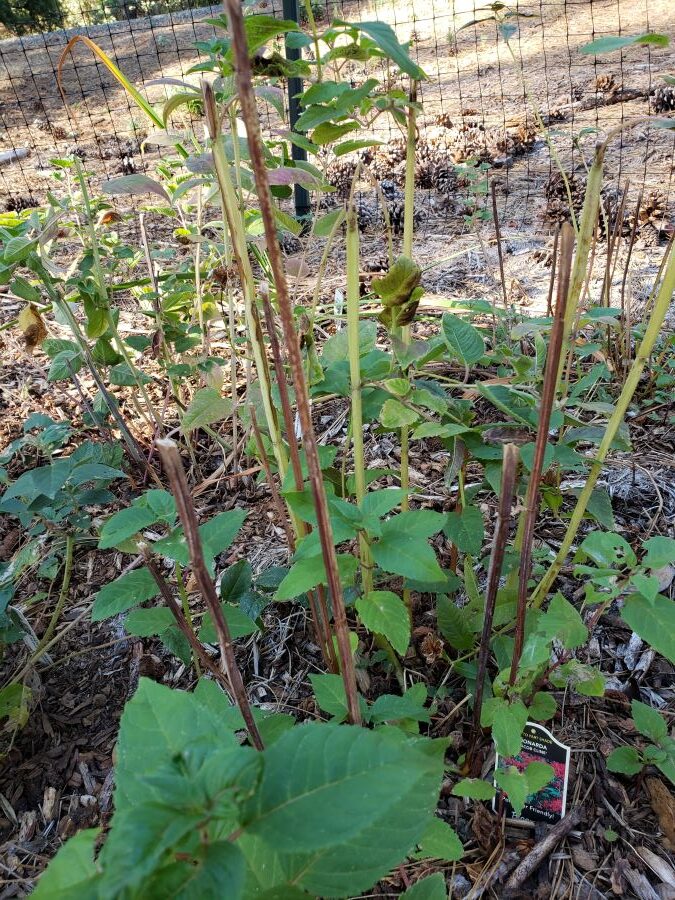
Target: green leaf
x=323 y=785
x=395 y=415
x=261 y=29
x=453 y=624
x=542 y=707
x=649 y=722
x=218 y=870
x=391 y=708
x=385 y=38
x=383 y=612
x=122 y=594
x=625 y=760
x=411 y=557
x=379 y=503
x=72 y=872
x=519 y=786
x=507 y=721
x=306 y=573
x=430 y=888
x=17 y=248
x=585 y=679
x=608 y=550
x=239 y=624
x=148 y=622
x=44 y=481
x=324 y=225
x=654 y=621
x=463 y=340
x=168 y=721
x=64 y=365
x=206 y=407
x=353 y=866
x=466 y=530
x=218 y=533
x=436 y=429
x=474 y=789
x=610 y=43
x=660 y=552
x=329 y=691
x=562 y=621
x=440 y=841
x=134 y=184
x=125 y=524
x=236 y=581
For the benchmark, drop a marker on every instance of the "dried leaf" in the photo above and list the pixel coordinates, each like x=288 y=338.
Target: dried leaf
x=663 y=804
x=32 y=327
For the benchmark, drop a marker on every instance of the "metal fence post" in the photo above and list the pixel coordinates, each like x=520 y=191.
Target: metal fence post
x=302 y=203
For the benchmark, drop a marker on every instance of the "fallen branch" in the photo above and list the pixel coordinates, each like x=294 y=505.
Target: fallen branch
x=539 y=853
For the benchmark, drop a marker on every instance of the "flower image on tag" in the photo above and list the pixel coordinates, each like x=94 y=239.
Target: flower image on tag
x=545 y=803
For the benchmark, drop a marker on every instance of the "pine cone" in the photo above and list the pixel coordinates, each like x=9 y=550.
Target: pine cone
x=387 y=158
x=340 y=174
x=59 y=133
x=18 y=204
x=288 y=242
x=557 y=206
x=664 y=99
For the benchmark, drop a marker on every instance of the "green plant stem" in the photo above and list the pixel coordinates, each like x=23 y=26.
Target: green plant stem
x=60 y=603
x=661 y=307
x=315 y=37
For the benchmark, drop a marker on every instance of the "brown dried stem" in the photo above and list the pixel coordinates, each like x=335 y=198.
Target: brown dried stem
x=173 y=467
x=546 y=407
x=250 y=116
x=509 y=470
x=317 y=605
x=176 y=611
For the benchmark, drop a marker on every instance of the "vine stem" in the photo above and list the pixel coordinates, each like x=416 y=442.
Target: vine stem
x=545 y=409
x=251 y=120
x=173 y=467
x=661 y=306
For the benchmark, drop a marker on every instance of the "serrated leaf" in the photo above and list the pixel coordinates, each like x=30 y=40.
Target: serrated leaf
x=124 y=593
x=463 y=340
x=395 y=415
x=329 y=691
x=439 y=841
x=236 y=581
x=507 y=721
x=206 y=407
x=654 y=621
x=648 y=721
x=430 y=888
x=625 y=760
x=125 y=524
x=474 y=789
x=453 y=623
x=308 y=572
x=148 y=622
x=542 y=707
x=383 y=612
x=562 y=621
x=660 y=552
x=466 y=530
x=320 y=805
x=72 y=872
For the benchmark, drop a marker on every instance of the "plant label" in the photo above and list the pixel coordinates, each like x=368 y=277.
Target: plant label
x=539 y=746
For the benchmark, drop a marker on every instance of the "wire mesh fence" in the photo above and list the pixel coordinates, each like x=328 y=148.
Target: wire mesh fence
x=482 y=87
